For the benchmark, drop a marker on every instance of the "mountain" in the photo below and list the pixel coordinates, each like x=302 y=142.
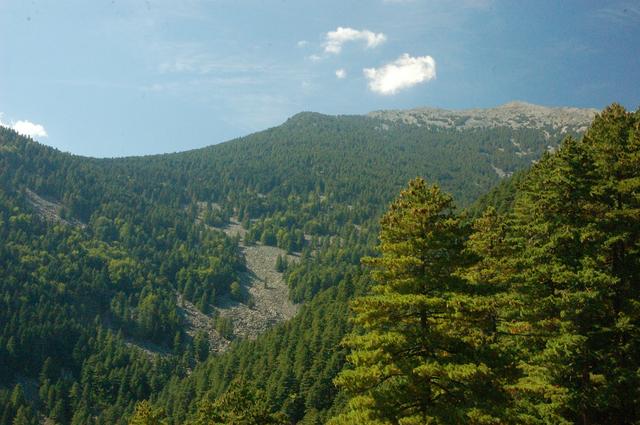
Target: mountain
x=528 y=316
x=513 y=115
x=123 y=277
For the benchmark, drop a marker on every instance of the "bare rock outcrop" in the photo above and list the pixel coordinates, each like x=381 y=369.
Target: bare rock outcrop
x=513 y=114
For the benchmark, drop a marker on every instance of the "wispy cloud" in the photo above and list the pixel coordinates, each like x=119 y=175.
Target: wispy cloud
x=623 y=13
x=193 y=88
x=334 y=40
x=199 y=85
x=466 y=4
x=404 y=72
x=302 y=43
x=200 y=59
x=206 y=64
x=26 y=128
x=341 y=73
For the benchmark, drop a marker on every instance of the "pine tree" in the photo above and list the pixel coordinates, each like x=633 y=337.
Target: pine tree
x=281 y=263
x=238 y=405
x=577 y=232
x=25 y=416
x=145 y=414
x=201 y=346
x=614 y=143
x=421 y=352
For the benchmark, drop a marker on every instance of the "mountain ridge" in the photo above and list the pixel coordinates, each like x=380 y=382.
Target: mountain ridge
x=152 y=257
x=505 y=115
x=514 y=114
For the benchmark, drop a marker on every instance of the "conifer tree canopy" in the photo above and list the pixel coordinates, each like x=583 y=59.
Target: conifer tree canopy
x=417 y=356
x=576 y=226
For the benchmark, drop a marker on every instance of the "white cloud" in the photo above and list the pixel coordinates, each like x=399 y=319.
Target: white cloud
x=341 y=73
x=26 y=128
x=335 y=39
x=404 y=72
x=302 y=43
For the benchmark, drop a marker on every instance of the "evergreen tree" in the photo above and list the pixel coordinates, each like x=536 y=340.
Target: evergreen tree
x=130 y=241
x=201 y=346
x=421 y=355
x=239 y=405
x=577 y=232
x=145 y=414
x=25 y=416
x=281 y=263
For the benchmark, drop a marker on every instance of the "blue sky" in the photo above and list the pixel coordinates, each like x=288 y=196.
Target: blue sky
x=125 y=77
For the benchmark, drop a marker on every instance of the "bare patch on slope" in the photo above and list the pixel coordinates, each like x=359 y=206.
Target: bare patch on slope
x=148 y=348
x=268 y=292
x=48 y=210
x=195 y=321
x=265 y=289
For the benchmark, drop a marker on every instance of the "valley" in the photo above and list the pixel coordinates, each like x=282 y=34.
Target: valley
x=181 y=279
x=386 y=212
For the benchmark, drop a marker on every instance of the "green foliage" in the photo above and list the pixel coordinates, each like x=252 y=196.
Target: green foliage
x=422 y=351
x=224 y=326
x=548 y=298
x=293 y=364
x=235 y=290
x=144 y=414
x=501 y=197
x=64 y=283
x=577 y=232
x=238 y=405
x=201 y=346
x=281 y=264
x=97 y=276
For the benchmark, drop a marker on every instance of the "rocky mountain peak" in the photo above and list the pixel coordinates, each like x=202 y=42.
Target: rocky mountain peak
x=516 y=114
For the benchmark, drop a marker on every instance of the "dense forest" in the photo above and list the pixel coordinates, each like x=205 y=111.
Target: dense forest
x=511 y=305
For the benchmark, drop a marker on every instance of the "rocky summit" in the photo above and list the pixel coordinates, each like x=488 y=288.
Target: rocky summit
x=513 y=114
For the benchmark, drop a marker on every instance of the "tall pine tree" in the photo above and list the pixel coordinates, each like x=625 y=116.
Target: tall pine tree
x=576 y=236
x=422 y=349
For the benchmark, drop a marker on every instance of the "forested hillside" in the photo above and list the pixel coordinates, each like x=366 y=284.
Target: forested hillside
x=102 y=261
x=527 y=316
